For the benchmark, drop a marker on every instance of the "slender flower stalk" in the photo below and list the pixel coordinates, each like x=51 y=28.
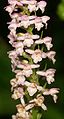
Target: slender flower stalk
x=27 y=56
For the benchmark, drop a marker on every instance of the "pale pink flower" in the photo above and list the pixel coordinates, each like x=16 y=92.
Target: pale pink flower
x=24 y=72
x=52 y=92
x=35 y=36
x=19 y=80
x=36 y=55
x=14 y=2
x=24 y=60
x=49 y=74
x=13 y=25
x=14 y=57
x=39 y=102
x=32 y=5
x=41 y=5
x=22 y=112
x=32 y=17
x=18 y=93
x=27 y=2
x=28 y=42
x=19 y=47
x=45 y=20
x=27 y=39
x=32 y=88
x=12 y=54
x=15 y=15
x=27 y=66
x=51 y=56
x=10 y=9
x=12 y=36
x=27 y=73
x=38 y=23
x=22 y=37
x=25 y=21
x=47 y=41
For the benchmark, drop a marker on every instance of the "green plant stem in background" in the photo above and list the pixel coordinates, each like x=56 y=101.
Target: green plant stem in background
x=60 y=10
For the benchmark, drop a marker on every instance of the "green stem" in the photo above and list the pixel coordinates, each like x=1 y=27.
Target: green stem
x=41 y=34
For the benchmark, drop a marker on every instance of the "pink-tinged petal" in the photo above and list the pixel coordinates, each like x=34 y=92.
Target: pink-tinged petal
x=50 y=79
x=41 y=5
x=39 y=41
x=10 y=9
x=33 y=66
x=26 y=73
x=23 y=111
x=47 y=41
x=13 y=25
x=17 y=44
x=29 y=106
x=28 y=42
x=38 y=20
x=14 y=2
x=19 y=51
x=38 y=26
x=31 y=90
x=32 y=7
x=35 y=36
x=52 y=92
x=14 y=15
x=43 y=55
x=18 y=93
x=20 y=38
x=39 y=102
x=40 y=88
x=28 y=2
x=29 y=51
x=51 y=56
x=12 y=37
x=38 y=23
x=50 y=72
x=45 y=19
x=36 y=55
x=42 y=73
x=27 y=83
x=20 y=79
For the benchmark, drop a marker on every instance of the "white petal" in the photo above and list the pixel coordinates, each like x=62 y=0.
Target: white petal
x=42 y=73
x=43 y=107
x=29 y=51
x=55 y=98
x=31 y=91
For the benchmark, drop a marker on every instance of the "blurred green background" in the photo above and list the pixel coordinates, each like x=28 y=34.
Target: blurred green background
x=55 y=9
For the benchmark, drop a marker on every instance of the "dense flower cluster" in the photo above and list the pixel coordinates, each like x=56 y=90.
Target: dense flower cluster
x=28 y=54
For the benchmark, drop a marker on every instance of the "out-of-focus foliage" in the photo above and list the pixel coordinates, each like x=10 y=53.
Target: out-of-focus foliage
x=60 y=10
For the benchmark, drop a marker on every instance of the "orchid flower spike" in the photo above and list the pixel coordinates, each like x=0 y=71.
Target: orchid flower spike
x=30 y=50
